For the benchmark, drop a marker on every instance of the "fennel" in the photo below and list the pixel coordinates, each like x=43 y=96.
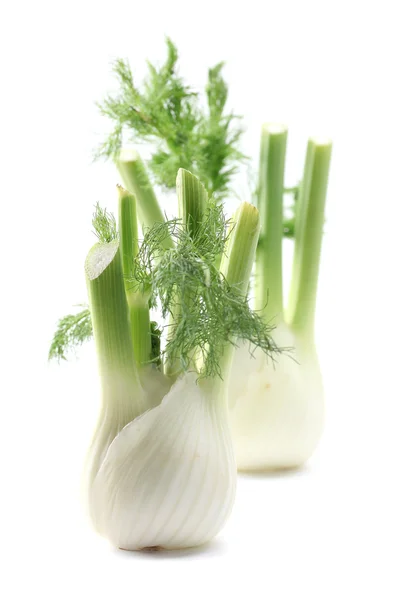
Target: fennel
x=277 y=413
x=161 y=470
x=165 y=112
x=169 y=478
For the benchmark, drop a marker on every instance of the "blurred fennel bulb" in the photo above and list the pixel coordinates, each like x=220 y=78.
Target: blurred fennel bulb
x=277 y=408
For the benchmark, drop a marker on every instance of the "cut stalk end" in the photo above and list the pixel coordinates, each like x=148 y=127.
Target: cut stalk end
x=123 y=193
x=274 y=128
x=99 y=258
x=129 y=155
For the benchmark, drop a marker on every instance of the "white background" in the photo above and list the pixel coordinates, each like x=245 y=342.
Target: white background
x=328 y=531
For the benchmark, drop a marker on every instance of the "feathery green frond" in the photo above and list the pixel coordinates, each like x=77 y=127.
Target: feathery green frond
x=211 y=313
x=219 y=138
x=72 y=331
x=151 y=250
x=104 y=225
x=167 y=112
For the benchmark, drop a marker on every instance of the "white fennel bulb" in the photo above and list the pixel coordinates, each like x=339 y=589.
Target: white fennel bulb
x=168 y=479
x=277 y=408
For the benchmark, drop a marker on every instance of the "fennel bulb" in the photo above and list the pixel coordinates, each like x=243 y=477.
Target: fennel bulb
x=277 y=409
x=169 y=478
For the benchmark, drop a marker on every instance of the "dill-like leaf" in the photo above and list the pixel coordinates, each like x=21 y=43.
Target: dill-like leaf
x=209 y=312
x=151 y=251
x=219 y=138
x=104 y=224
x=72 y=331
x=166 y=112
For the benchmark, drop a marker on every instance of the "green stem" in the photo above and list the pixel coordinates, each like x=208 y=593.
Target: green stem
x=192 y=202
x=139 y=312
x=308 y=237
x=109 y=312
x=128 y=229
x=237 y=262
x=139 y=316
x=268 y=281
x=136 y=180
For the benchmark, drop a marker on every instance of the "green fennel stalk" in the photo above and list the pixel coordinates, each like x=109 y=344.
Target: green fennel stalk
x=136 y=180
x=308 y=237
x=138 y=301
x=268 y=277
x=110 y=320
x=192 y=201
x=308 y=229
x=237 y=263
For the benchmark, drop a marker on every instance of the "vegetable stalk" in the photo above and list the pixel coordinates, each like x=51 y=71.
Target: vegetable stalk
x=138 y=301
x=269 y=292
x=109 y=312
x=308 y=238
x=236 y=266
x=192 y=201
x=123 y=398
x=136 y=180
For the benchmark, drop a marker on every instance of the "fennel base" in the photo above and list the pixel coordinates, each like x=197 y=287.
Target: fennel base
x=277 y=410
